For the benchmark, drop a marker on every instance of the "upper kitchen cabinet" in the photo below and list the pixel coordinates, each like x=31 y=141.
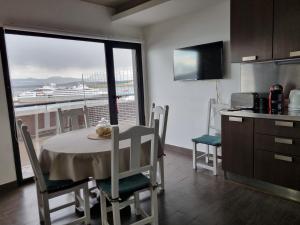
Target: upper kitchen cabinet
x=286 y=29
x=252 y=29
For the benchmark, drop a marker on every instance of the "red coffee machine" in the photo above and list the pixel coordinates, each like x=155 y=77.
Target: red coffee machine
x=276 y=99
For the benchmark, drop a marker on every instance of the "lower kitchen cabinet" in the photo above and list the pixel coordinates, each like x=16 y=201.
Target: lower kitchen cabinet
x=263 y=149
x=277 y=168
x=237 y=145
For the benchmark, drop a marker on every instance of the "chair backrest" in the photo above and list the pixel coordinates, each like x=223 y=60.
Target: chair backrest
x=69 y=119
x=32 y=155
x=134 y=134
x=160 y=113
x=214 y=115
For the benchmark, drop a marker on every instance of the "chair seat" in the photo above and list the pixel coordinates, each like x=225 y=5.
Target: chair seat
x=58 y=185
x=127 y=186
x=208 y=140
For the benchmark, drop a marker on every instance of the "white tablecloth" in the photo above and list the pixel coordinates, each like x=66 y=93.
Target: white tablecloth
x=73 y=156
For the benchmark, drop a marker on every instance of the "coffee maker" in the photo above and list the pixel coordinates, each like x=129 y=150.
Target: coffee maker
x=276 y=99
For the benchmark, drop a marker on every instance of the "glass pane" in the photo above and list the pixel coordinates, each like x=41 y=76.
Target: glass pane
x=125 y=76
x=47 y=74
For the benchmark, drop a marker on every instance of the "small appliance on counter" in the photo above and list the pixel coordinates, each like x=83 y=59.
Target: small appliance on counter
x=258 y=102
x=276 y=99
x=294 y=100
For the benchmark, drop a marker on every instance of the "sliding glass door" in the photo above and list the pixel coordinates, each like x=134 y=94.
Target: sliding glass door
x=47 y=72
x=126 y=83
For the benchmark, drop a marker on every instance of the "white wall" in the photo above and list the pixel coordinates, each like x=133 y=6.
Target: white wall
x=7 y=166
x=187 y=99
x=58 y=15
x=65 y=15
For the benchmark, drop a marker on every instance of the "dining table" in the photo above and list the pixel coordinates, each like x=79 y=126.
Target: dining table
x=78 y=155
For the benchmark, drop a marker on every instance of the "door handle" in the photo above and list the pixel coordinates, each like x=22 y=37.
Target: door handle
x=235 y=119
x=249 y=58
x=284 y=124
x=283 y=158
x=283 y=141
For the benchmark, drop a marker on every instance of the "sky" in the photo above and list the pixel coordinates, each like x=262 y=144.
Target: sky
x=39 y=57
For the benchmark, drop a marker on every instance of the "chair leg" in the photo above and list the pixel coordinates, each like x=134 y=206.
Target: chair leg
x=137 y=203
x=77 y=196
x=207 y=154
x=87 y=212
x=215 y=160
x=40 y=202
x=162 y=173
x=154 y=207
x=116 y=213
x=46 y=209
x=194 y=155
x=103 y=208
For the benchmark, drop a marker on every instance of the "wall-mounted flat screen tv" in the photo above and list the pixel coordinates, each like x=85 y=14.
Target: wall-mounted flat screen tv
x=199 y=62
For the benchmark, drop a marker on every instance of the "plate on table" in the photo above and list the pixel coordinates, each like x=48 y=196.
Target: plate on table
x=95 y=136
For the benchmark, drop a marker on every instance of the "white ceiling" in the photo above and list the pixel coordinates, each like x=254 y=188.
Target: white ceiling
x=161 y=11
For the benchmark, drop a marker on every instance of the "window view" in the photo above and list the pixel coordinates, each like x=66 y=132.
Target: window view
x=49 y=73
x=125 y=75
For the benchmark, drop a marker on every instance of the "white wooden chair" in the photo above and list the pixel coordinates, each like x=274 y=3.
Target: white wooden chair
x=71 y=119
x=121 y=185
x=210 y=139
x=47 y=189
x=160 y=113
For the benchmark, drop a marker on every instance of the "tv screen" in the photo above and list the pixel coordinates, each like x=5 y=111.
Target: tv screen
x=199 y=62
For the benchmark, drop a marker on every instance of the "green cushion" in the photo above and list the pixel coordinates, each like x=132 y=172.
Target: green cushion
x=57 y=185
x=127 y=186
x=208 y=140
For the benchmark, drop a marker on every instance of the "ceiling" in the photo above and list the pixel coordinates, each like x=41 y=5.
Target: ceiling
x=163 y=10
x=118 y=5
x=108 y=3
x=143 y=13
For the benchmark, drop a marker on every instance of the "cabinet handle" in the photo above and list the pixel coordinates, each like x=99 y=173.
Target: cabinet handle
x=283 y=158
x=283 y=141
x=236 y=119
x=284 y=124
x=295 y=53
x=249 y=58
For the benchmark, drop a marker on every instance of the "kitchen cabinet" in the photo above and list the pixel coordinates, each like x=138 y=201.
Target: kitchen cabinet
x=276 y=168
x=281 y=128
x=276 y=152
x=251 y=30
x=237 y=145
x=261 y=148
x=286 y=29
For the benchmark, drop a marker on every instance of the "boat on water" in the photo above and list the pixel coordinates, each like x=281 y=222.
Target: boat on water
x=51 y=93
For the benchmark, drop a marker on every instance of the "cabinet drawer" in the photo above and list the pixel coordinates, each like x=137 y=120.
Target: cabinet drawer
x=277 y=127
x=290 y=146
x=277 y=168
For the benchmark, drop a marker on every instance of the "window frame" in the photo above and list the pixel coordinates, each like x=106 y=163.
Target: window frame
x=108 y=46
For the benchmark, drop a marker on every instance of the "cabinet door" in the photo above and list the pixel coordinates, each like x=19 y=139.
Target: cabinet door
x=251 y=30
x=277 y=168
x=237 y=145
x=286 y=29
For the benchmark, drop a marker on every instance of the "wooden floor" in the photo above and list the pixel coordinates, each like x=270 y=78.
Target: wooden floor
x=190 y=198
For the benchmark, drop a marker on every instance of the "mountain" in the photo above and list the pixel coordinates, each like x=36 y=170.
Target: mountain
x=34 y=82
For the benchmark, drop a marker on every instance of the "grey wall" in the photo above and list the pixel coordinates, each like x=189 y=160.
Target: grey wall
x=188 y=100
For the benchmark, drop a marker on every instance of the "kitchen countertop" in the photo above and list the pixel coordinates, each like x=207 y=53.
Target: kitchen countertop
x=290 y=116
